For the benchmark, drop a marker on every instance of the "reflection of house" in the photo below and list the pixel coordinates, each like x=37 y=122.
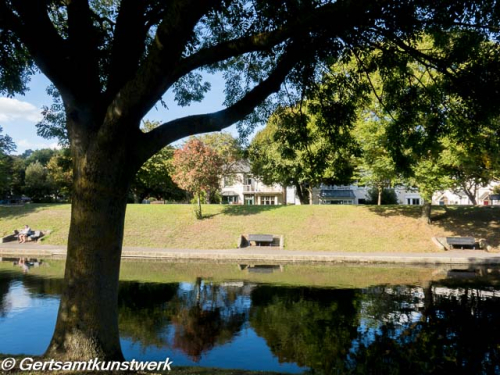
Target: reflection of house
x=484 y=196
x=242 y=187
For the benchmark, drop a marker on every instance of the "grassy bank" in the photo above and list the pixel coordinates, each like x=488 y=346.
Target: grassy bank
x=318 y=228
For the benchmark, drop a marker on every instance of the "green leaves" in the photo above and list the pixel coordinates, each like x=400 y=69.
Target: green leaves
x=16 y=64
x=197 y=168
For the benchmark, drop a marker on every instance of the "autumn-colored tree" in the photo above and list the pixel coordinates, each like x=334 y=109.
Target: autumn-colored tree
x=197 y=169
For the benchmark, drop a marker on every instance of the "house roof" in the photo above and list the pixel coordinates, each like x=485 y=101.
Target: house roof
x=228 y=193
x=242 y=166
x=337 y=194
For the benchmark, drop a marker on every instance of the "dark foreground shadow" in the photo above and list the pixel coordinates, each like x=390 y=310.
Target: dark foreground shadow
x=16 y=211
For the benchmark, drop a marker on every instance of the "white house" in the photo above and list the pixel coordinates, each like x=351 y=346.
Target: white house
x=354 y=194
x=484 y=196
x=242 y=187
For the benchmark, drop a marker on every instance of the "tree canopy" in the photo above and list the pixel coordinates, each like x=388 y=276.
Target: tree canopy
x=197 y=168
x=112 y=61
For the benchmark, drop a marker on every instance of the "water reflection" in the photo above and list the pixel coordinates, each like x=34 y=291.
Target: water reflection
x=440 y=326
x=206 y=315
x=311 y=327
x=436 y=329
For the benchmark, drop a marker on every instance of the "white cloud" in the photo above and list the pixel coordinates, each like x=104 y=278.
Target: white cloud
x=24 y=144
x=13 y=109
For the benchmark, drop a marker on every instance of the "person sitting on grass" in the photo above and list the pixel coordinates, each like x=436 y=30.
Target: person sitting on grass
x=23 y=235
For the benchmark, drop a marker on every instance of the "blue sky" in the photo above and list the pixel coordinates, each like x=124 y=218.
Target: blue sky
x=19 y=115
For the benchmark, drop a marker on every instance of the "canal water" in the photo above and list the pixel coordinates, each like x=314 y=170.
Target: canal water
x=287 y=318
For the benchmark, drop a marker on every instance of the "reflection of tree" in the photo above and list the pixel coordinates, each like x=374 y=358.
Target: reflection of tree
x=142 y=311
x=41 y=287
x=455 y=334
x=311 y=327
x=4 y=290
x=37 y=287
x=205 y=317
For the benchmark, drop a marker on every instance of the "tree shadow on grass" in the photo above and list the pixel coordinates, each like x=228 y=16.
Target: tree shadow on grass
x=469 y=221
x=8 y=212
x=457 y=221
x=209 y=216
x=396 y=210
x=239 y=210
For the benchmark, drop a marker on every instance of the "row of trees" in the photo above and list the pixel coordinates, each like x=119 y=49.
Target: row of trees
x=174 y=174
x=385 y=129
x=43 y=175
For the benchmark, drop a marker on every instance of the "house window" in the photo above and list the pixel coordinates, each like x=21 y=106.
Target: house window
x=231 y=199
x=248 y=180
x=413 y=201
x=249 y=201
x=339 y=201
x=267 y=200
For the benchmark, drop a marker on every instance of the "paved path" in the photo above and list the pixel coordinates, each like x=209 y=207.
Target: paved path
x=265 y=254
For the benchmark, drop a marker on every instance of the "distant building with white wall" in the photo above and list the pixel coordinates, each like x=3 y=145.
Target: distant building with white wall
x=354 y=194
x=484 y=196
x=241 y=187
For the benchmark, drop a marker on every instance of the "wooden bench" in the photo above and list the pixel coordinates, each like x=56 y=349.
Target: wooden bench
x=35 y=235
x=461 y=242
x=261 y=239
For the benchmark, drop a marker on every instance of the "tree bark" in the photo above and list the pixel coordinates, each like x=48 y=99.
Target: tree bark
x=310 y=190
x=379 y=200
x=137 y=198
x=426 y=212
x=199 y=214
x=87 y=323
x=471 y=196
x=300 y=193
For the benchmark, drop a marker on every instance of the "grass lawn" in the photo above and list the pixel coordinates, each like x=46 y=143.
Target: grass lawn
x=315 y=228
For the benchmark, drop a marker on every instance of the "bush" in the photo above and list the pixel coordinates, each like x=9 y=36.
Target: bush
x=388 y=196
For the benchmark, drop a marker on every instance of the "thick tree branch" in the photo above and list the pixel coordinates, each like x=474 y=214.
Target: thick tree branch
x=169 y=132
x=172 y=36
x=129 y=43
x=163 y=69
x=8 y=21
x=321 y=18
x=48 y=49
x=83 y=47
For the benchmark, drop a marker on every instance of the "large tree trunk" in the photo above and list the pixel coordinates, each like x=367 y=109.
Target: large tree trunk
x=300 y=193
x=87 y=323
x=426 y=212
x=137 y=198
x=471 y=196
